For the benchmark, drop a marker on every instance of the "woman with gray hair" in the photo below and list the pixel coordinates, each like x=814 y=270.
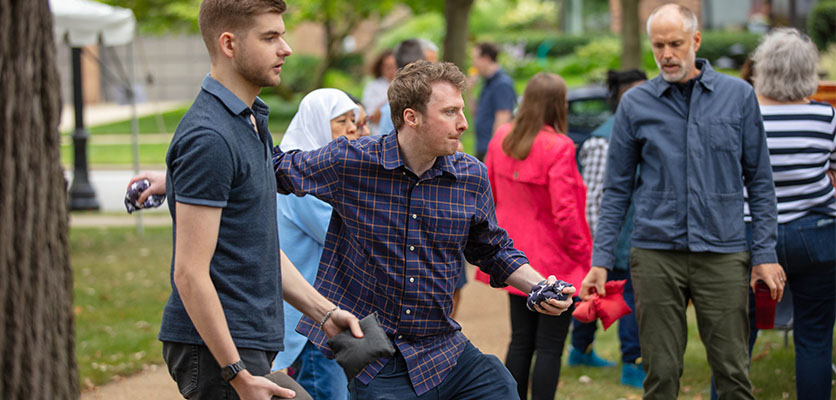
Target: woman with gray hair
x=801 y=136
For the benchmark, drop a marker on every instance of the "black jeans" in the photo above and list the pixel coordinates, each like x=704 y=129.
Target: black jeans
x=530 y=332
x=198 y=374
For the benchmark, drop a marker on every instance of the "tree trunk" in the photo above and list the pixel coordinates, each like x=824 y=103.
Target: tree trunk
x=37 y=353
x=456 y=14
x=631 y=48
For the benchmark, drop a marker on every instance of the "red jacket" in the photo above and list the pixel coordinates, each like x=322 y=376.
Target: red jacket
x=540 y=202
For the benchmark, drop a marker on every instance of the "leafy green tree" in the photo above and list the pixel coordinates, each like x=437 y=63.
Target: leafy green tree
x=162 y=16
x=339 y=18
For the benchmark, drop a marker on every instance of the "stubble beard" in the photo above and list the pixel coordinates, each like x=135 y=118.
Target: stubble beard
x=255 y=74
x=684 y=65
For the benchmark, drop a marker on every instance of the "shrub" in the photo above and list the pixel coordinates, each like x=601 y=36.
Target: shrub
x=821 y=24
x=540 y=43
x=297 y=76
x=352 y=63
x=335 y=78
x=735 y=45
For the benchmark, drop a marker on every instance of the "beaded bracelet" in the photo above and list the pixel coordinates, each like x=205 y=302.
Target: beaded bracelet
x=327 y=315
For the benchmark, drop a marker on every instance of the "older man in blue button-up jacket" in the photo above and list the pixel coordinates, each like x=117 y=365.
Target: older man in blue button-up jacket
x=698 y=139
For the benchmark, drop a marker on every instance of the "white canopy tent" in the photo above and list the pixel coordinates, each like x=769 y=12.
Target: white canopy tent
x=81 y=23
x=86 y=22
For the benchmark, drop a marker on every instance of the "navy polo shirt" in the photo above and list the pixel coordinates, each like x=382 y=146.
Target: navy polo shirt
x=217 y=159
x=498 y=94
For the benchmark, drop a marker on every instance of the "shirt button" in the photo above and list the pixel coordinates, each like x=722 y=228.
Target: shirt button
x=403 y=172
x=414 y=216
x=408 y=311
x=400 y=336
x=411 y=280
x=411 y=248
x=417 y=183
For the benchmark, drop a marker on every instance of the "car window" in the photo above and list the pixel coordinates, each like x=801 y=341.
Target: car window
x=587 y=114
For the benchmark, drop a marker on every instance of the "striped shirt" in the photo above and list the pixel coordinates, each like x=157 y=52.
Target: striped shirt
x=802 y=148
x=395 y=241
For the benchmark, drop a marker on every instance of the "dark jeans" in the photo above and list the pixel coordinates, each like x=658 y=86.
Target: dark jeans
x=321 y=377
x=198 y=374
x=534 y=332
x=583 y=334
x=476 y=376
x=806 y=249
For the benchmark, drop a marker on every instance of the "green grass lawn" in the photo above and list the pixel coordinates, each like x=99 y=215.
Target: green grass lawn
x=121 y=154
x=165 y=122
x=121 y=282
x=772 y=369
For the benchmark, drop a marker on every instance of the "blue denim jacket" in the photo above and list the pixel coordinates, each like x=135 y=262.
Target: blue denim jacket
x=695 y=157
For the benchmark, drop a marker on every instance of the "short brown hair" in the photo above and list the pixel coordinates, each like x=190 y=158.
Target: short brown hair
x=377 y=67
x=219 y=16
x=489 y=50
x=412 y=86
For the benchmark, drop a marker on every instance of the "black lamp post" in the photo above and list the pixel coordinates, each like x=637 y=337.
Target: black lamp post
x=82 y=194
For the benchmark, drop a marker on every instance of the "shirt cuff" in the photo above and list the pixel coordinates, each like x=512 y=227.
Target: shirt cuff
x=499 y=275
x=601 y=259
x=200 y=202
x=764 y=257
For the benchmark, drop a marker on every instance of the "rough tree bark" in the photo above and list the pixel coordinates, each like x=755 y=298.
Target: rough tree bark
x=456 y=14
x=631 y=48
x=37 y=354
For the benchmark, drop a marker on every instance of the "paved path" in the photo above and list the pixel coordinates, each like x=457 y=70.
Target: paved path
x=110 y=186
x=483 y=315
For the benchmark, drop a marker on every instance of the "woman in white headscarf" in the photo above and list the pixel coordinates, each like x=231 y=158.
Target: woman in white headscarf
x=324 y=115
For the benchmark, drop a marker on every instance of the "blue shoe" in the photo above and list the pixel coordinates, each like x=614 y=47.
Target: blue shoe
x=632 y=375
x=590 y=359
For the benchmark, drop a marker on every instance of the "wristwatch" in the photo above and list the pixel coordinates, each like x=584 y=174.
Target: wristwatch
x=231 y=371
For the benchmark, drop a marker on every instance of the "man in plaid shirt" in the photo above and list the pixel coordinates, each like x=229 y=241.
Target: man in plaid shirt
x=406 y=206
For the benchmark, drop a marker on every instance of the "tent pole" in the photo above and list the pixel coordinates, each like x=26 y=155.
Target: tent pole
x=82 y=195
x=134 y=121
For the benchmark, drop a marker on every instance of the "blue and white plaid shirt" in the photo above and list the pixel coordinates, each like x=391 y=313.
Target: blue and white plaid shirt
x=395 y=241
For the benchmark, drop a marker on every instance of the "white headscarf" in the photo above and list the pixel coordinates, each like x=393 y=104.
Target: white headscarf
x=310 y=128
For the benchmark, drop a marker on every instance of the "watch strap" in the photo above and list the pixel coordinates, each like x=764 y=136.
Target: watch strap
x=230 y=371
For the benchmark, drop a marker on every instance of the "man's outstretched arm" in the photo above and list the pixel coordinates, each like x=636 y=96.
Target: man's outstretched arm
x=525 y=277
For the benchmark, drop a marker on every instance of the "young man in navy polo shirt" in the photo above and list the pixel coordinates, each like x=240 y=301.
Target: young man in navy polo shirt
x=222 y=325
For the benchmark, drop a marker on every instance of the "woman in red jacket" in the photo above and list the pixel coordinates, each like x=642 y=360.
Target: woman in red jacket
x=540 y=198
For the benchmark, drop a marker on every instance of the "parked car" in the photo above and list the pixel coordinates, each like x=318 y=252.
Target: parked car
x=588 y=108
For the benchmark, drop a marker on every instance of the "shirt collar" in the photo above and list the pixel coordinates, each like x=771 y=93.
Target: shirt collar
x=499 y=71
x=706 y=78
x=392 y=157
x=230 y=100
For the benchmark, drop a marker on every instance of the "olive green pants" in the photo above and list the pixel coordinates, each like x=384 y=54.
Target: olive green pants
x=664 y=281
